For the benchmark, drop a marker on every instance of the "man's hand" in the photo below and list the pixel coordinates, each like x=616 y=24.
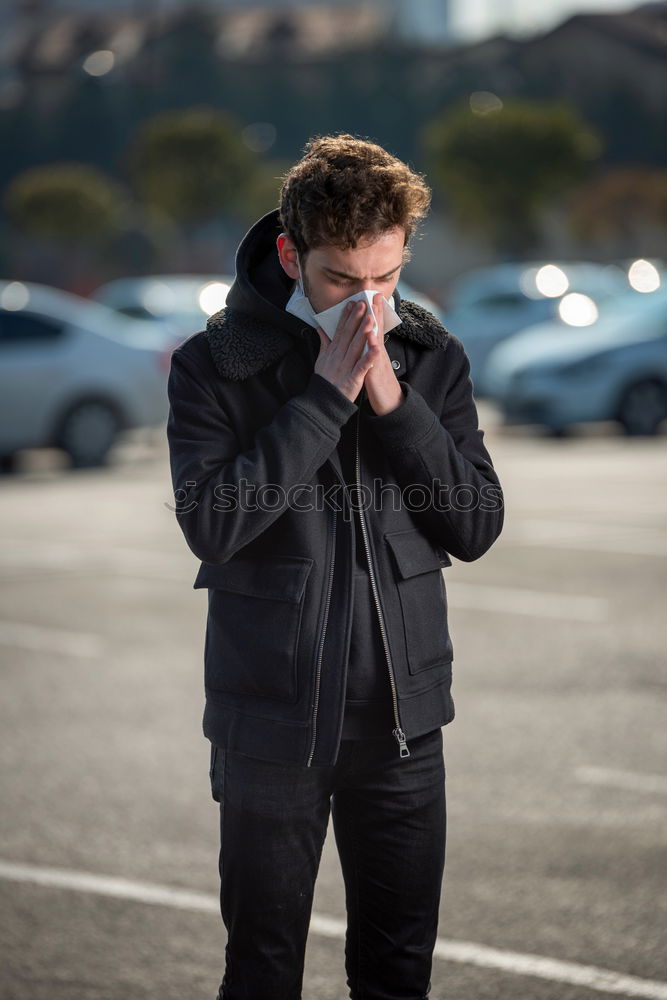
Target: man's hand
x=383 y=388
x=340 y=360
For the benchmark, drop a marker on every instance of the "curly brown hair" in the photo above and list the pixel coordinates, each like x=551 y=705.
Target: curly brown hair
x=346 y=190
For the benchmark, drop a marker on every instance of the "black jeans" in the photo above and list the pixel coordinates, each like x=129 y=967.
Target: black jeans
x=389 y=820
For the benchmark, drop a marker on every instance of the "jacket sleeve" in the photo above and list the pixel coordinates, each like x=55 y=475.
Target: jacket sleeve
x=445 y=454
x=207 y=464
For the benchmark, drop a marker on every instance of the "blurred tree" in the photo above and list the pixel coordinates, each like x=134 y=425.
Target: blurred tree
x=71 y=225
x=263 y=191
x=69 y=202
x=626 y=206
x=499 y=164
x=193 y=165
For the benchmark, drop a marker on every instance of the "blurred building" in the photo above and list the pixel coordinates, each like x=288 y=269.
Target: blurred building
x=425 y=21
x=420 y=21
x=77 y=83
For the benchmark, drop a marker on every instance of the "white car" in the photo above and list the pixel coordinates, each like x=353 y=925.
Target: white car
x=412 y=295
x=183 y=302
x=74 y=374
x=179 y=303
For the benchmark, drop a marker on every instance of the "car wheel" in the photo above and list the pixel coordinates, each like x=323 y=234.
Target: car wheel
x=643 y=407
x=87 y=433
x=557 y=431
x=8 y=463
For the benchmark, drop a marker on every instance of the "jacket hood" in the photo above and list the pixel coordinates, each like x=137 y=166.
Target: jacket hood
x=261 y=288
x=254 y=329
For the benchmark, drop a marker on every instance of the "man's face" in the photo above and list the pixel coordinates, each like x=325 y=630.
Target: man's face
x=331 y=275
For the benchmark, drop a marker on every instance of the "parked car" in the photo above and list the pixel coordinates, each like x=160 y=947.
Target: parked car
x=181 y=303
x=74 y=374
x=406 y=291
x=185 y=301
x=487 y=305
x=614 y=370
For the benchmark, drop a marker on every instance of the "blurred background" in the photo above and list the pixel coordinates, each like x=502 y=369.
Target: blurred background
x=140 y=140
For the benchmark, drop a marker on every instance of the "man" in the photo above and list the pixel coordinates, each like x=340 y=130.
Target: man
x=325 y=469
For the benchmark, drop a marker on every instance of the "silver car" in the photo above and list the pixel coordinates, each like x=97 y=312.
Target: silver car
x=185 y=301
x=74 y=374
x=489 y=304
x=179 y=303
x=614 y=370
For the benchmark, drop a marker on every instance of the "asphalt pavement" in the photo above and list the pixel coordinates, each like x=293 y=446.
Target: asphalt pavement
x=555 y=881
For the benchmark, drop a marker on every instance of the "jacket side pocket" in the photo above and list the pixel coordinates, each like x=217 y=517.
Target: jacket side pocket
x=421 y=590
x=254 y=625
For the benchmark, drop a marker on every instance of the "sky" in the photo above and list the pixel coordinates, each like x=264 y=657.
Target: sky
x=472 y=19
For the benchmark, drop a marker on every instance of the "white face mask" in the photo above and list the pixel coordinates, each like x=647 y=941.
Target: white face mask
x=300 y=306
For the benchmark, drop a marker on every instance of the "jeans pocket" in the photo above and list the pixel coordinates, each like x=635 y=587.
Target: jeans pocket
x=215 y=771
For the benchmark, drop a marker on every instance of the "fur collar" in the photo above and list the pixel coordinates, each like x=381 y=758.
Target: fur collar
x=242 y=345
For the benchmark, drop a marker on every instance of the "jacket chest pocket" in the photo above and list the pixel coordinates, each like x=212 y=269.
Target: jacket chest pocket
x=423 y=598
x=254 y=624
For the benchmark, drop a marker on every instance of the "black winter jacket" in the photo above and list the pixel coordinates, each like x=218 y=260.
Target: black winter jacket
x=260 y=498
x=368 y=706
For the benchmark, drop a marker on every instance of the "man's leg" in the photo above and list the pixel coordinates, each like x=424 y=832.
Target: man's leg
x=273 y=822
x=389 y=819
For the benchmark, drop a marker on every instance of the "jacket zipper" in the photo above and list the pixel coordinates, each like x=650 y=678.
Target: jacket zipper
x=320 y=651
x=397 y=732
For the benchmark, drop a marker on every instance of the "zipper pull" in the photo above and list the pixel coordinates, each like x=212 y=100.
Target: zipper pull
x=400 y=739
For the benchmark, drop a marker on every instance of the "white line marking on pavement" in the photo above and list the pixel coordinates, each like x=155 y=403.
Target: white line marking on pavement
x=103 y=885
x=156 y=574
x=18 y=556
x=590 y=976
x=25 y=635
x=632 y=780
x=586 y=536
x=520 y=601
x=469 y=953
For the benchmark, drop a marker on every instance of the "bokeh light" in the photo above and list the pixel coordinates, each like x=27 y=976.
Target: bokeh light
x=576 y=309
x=213 y=296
